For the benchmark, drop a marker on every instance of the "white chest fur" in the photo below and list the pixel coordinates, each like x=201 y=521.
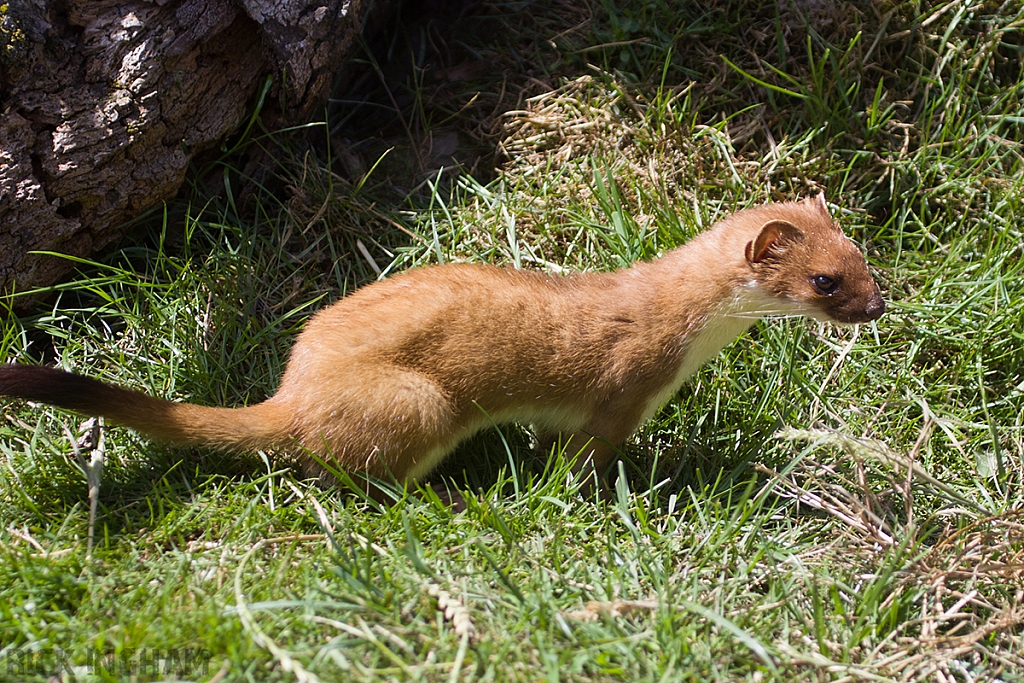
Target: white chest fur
x=721 y=327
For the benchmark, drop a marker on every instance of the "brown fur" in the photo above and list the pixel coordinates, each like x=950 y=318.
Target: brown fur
x=389 y=380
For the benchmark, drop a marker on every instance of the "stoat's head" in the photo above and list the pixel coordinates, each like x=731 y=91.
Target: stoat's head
x=801 y=258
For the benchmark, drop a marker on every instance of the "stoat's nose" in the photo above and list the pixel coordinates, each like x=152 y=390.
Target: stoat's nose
x=875 y=307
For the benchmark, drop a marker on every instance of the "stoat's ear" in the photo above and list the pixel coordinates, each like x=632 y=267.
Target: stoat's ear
x=820 y=205
x=771 y=239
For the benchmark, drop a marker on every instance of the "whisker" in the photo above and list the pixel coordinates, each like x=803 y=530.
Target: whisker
x=765 y=313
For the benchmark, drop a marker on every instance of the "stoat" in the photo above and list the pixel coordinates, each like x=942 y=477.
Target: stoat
x=387 y=381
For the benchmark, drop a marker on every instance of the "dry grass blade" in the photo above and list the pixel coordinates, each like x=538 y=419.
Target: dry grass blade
x=862 y=449
x=595 y=609
x=454 y=610
x=965 y=583
x=971 y=605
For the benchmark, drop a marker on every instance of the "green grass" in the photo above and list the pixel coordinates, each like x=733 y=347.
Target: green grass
x=818 y=504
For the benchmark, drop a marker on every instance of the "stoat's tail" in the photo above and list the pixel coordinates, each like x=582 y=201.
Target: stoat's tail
x=260 y=426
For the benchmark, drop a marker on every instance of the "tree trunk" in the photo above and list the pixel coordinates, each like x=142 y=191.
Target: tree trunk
x=104 y=102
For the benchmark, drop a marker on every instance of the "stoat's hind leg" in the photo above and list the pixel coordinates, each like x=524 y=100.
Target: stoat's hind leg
x=389 y=423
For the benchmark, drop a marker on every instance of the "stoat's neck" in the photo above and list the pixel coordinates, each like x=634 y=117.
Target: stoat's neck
x=723 y=323
x=706 y=279
x=707 y=296
x=701 y=330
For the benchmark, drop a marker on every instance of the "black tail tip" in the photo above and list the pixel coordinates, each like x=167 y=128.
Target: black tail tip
x=46 y=385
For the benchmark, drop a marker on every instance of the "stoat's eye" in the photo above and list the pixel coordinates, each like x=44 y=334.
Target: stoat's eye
x=824 y=284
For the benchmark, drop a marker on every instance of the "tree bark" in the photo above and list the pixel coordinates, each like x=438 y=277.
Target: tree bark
x=105 y=102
